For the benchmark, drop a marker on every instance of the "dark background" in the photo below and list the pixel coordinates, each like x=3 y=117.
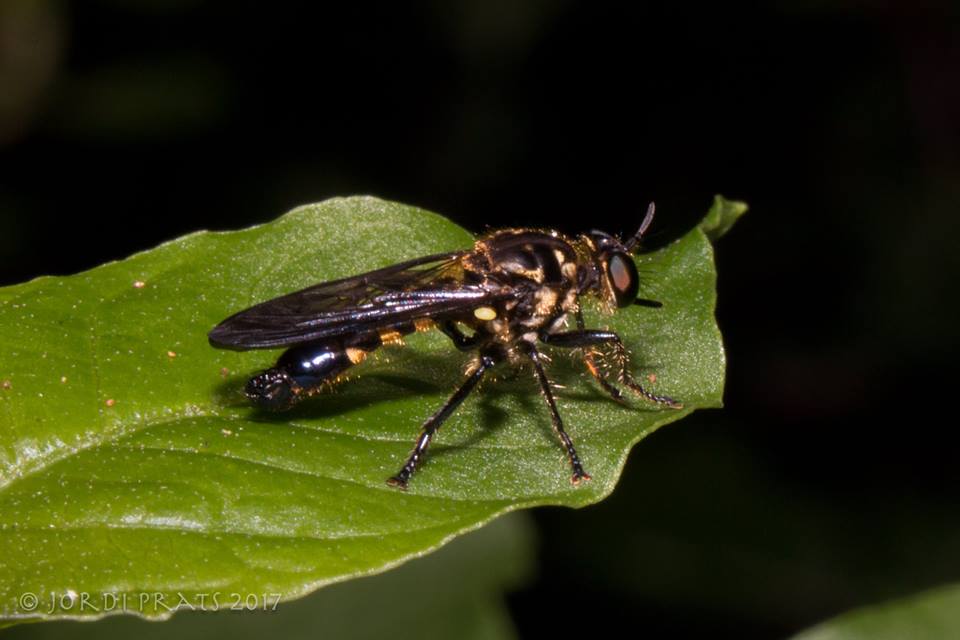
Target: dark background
x=829 y=480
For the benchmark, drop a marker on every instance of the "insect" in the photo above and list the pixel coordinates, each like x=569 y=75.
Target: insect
x=514 y=290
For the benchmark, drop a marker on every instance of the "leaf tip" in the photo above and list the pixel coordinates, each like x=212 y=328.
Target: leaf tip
x=722 y=216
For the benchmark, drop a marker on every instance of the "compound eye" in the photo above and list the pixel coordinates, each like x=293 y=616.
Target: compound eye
x=624 y=281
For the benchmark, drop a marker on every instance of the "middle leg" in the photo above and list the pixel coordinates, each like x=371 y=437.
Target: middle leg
x=579 y=475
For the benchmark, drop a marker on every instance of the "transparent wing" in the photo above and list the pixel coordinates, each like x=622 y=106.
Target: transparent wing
x=428 y=287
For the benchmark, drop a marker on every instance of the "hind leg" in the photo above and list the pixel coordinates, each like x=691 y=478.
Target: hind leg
x=429 y=428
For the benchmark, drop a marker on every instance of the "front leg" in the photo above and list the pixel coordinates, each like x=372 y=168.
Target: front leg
x=595 y=337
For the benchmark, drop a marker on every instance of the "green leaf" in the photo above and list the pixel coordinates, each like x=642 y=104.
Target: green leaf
x=457 y=592
x=130 y=463
x=931 y=615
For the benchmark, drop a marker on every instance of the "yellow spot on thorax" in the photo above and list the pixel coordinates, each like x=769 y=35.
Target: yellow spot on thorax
x=485 y=313
x=546 y=301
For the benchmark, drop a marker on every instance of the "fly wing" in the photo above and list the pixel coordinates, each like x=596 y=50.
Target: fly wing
x=431 y=286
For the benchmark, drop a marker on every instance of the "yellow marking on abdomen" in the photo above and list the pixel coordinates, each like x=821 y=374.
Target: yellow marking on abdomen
x=391 y=337
x=356 y=355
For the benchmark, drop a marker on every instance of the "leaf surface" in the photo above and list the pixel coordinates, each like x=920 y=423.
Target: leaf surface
x=131 y=464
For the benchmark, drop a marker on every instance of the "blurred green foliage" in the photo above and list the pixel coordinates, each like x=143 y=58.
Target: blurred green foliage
x=932 y=615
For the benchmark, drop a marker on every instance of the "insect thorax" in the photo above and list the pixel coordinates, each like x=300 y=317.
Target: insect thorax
x=540 y=268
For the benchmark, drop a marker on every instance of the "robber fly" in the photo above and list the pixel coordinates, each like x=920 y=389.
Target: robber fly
x=514 y=289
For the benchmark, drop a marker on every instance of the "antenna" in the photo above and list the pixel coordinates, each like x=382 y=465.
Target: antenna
x=647 y=219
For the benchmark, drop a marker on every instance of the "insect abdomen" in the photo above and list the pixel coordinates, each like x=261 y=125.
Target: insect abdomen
x=303 y=370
